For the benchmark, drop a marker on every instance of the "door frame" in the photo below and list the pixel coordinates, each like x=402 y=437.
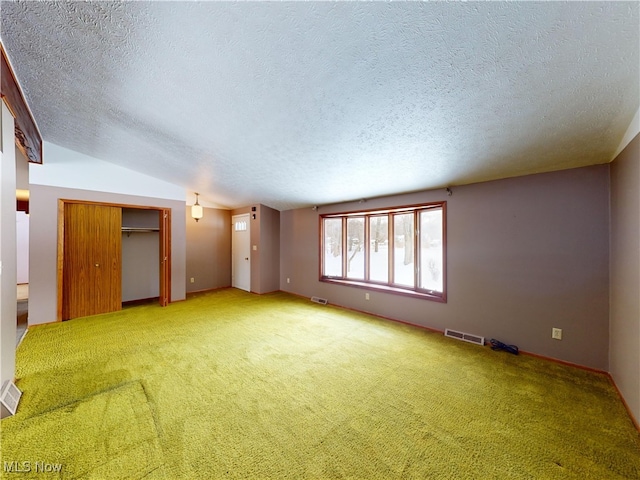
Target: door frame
x=164 y=261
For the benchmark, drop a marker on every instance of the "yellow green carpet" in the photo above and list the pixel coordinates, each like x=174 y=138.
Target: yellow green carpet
x=233 y=385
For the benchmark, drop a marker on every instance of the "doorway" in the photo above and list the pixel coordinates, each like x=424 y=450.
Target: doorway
x=241 y=253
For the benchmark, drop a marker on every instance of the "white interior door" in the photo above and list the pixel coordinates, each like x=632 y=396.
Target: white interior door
x=241 y=253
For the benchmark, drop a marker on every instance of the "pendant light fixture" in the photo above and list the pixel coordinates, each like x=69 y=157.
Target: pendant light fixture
x=196 y=210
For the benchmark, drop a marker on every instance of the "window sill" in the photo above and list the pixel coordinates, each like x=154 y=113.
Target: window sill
x=422 y=294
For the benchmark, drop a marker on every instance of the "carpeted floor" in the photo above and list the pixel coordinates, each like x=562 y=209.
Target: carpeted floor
x=234 y=385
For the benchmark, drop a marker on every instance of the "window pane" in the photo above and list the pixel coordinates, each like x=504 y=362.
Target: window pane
x=431 y=253
x=355 y=248
x=332 y=247
x=403 y=268
x=379 y=249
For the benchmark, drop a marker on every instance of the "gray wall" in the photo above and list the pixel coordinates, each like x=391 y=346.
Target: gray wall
x=43 y=206
x=140 y=266
x=624 y=328
x=524 y=255
x=140 y=255
x=268 y=253
x=209 y=250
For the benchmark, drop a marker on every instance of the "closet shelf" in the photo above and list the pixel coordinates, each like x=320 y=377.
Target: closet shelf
x=130 y=230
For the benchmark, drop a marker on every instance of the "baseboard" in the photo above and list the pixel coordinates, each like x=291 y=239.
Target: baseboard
x=595 y=370
x=564 y=362
x=206 y=290
x=434 y=330
x=45 y=323
x=266 y=293
x=140 y=301
x=624 y=402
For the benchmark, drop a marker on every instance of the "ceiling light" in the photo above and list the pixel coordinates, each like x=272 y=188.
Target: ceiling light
x=196 y=210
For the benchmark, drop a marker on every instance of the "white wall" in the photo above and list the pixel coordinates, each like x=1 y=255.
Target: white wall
x=630 y=134
x=22 y=246
x=8 y=288
x=70 y=169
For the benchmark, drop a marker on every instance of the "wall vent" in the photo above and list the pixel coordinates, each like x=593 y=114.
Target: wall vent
x=466 y=337
x=321 y=301
x=9 y=398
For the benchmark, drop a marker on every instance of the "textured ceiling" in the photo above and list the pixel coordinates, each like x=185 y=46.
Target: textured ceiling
x=303 y=103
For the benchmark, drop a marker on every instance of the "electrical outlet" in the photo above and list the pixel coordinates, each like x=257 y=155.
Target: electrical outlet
x=288 y=280
x=193 y=279
x=366 y=296
x=556 y=333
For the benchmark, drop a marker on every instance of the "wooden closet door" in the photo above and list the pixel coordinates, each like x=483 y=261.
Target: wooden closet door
x=92 y=270
x=165 y=256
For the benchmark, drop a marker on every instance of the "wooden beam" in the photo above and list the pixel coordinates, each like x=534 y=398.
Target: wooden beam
x=28 y=138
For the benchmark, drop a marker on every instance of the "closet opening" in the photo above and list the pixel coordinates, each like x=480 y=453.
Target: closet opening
x=110 y=255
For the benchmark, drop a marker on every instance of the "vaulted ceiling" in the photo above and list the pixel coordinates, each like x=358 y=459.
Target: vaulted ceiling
x=305 y=103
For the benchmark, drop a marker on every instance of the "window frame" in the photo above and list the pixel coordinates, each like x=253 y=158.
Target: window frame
x=390 y=286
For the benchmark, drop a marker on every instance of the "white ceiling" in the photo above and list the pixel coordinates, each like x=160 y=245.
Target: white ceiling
x=295 y=104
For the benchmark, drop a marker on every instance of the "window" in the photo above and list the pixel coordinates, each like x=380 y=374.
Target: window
x=379 y=252
x=355 y=248
x=400 y=250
